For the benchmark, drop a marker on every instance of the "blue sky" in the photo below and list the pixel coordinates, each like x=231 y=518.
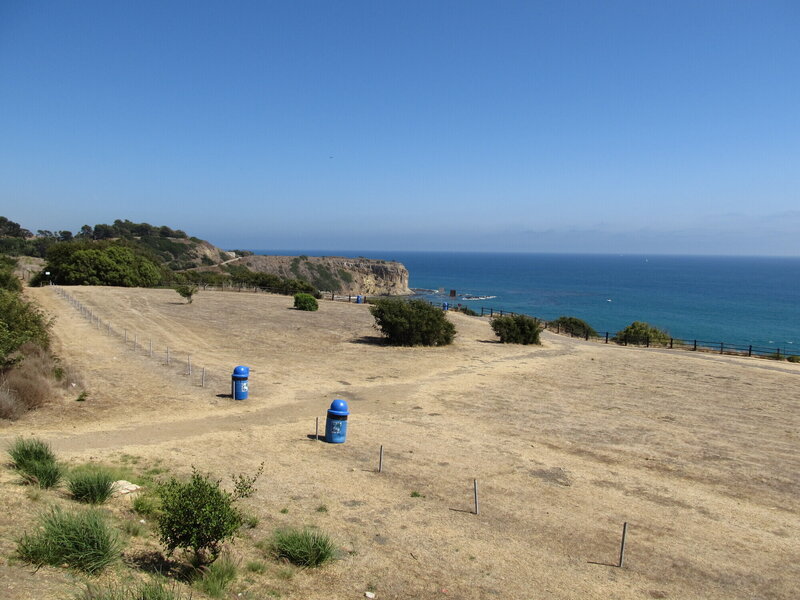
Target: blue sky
x=663 y=127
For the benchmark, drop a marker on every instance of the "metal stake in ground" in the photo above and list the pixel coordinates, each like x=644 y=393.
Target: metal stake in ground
x=203 y=378
x=622 y=545
x=475 y=489
x=316 y=429
x=380 y=461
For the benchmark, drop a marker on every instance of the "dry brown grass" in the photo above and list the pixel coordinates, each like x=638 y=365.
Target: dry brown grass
x=568 y=440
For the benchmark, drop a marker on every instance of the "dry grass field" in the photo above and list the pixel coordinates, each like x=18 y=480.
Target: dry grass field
x=697 y=452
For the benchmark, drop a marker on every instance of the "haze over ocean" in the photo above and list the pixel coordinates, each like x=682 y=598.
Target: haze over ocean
x=737 y=300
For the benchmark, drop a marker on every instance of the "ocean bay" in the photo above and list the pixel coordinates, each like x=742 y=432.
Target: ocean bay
x=737 y=300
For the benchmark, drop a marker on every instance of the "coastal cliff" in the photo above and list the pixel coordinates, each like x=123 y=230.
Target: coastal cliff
x=335 y=273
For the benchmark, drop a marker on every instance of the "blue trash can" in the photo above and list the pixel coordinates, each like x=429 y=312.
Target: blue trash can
x=359 y=300
x=239 y=384
x=336 y=424
x=445 y=306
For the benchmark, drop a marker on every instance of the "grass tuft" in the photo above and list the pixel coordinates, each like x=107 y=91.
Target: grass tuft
x=303 y=547
x=24 y=450
x=80 y=540
x=36 y=462
x=217 y=576
x=91 y=486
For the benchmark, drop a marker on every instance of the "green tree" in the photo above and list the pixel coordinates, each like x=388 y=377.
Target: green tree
x=412 y=323
x=100 y=263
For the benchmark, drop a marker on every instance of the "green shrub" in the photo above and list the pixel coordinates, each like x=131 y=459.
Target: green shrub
x=412 y=323
x=303 y=547
x=640 y=332
x=186 y=291
x=91 y=486
x=574 y=326
x=794 y=359
x=517 y=329
x=305 y=302
x=80 y=540
x=197 y=515
x=467 y=311
x=20 y=322
x=216 y=577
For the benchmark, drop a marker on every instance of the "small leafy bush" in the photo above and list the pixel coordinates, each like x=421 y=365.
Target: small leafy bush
x=91 y=486
x=574 y=326
x=467 y=311
x=187 y=292
x=303 y=547
x=197 y=515
x=794 y=359
x=517 y=329
x=640 y=332
x=305 y=302
x=412 y=323
x=80 y=540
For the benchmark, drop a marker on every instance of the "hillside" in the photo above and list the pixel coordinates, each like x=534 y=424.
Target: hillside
x=156 y=255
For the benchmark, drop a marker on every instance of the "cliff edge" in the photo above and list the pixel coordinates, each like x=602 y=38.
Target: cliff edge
x=335 y=273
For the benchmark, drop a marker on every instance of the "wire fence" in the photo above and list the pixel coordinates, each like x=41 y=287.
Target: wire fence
x=175 y=360
x=695 y=345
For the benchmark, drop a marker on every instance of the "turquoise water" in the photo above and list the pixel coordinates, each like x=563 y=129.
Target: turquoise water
x=737 y=300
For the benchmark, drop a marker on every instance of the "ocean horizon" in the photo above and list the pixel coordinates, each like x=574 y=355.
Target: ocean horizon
x=744 y=300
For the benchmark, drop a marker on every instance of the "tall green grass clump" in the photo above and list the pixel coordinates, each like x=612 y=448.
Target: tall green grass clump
x=412 y=323
x=36 y=462
x=517 y=329
x=81 y=540
x=217 y=576
x=91 y=486
x=24 y=450
x=303 y=547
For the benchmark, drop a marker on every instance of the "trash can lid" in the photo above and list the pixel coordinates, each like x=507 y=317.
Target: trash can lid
x=339 y=408
x=241 y=371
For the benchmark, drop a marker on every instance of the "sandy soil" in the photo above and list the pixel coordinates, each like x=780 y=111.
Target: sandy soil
x=697 y=452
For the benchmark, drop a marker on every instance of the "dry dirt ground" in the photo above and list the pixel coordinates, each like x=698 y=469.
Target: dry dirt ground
x=697 y=452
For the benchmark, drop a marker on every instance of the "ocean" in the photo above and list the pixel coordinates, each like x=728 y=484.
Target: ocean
x=736 y=300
